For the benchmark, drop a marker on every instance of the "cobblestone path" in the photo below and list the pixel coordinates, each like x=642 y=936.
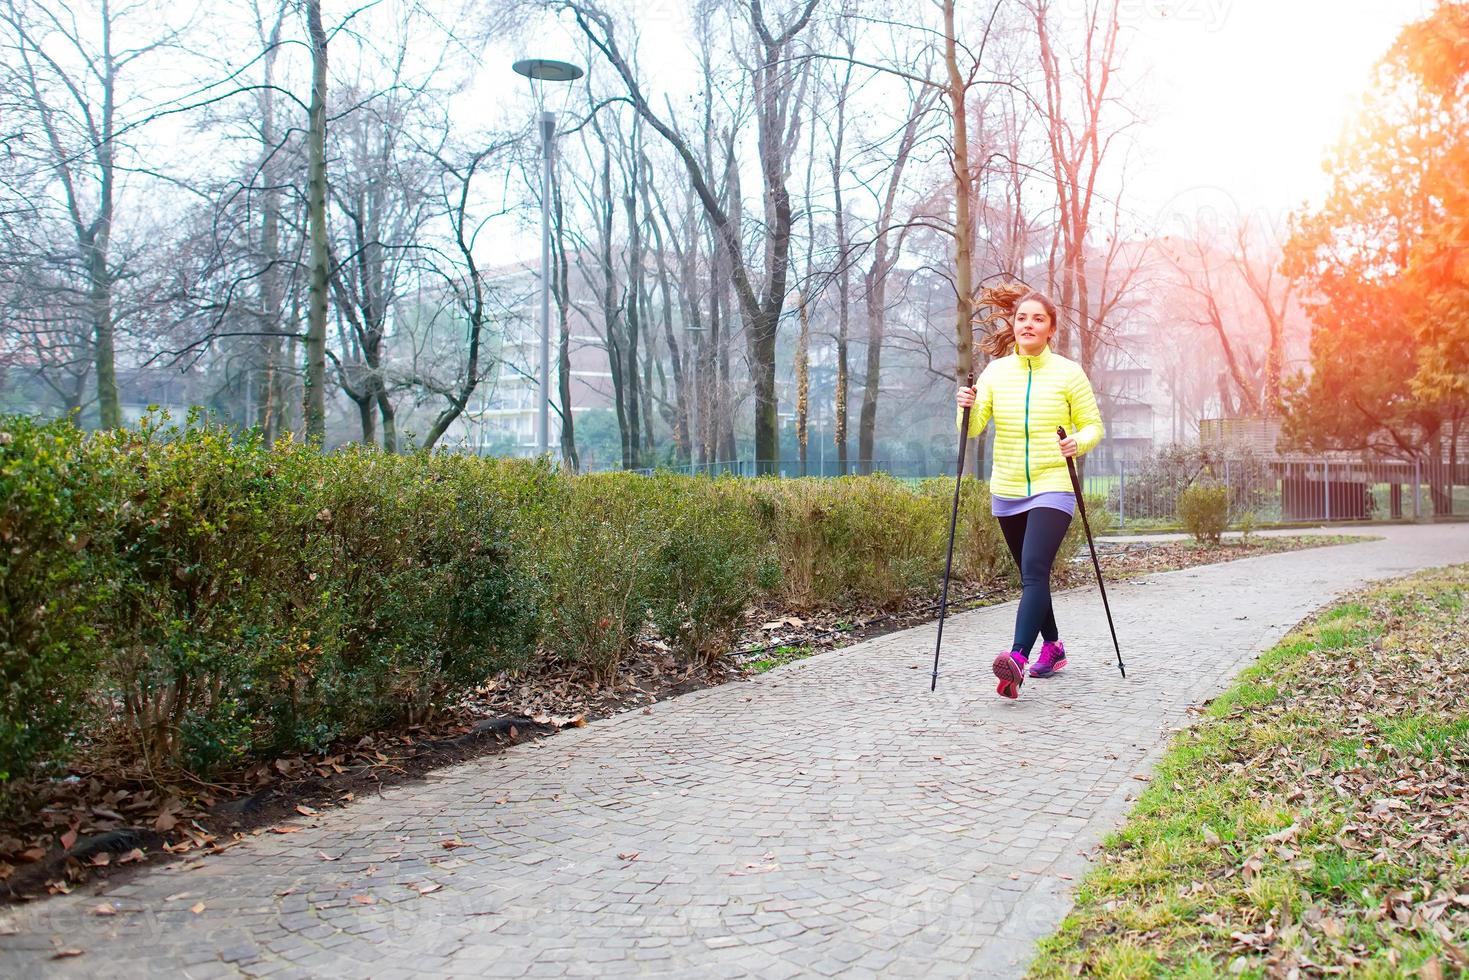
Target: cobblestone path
x=829 y=818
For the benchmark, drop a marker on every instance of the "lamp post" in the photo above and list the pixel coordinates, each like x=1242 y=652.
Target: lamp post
x=545 y=70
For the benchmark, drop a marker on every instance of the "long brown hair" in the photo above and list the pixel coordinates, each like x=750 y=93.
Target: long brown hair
x=1002 y=301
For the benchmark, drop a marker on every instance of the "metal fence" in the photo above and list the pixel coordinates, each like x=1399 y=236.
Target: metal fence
x=1140 y=493
x=1279 y=491
x=911 y=468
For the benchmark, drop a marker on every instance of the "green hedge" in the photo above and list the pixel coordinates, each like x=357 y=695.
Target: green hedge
x=49 y=591
x=204 y=599
x=212 y=599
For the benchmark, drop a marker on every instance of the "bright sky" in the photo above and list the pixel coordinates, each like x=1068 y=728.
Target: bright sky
x=1240 y=99
x=1248 y=96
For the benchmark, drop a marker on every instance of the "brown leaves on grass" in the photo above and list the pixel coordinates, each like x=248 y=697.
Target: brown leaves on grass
x=1362 y=758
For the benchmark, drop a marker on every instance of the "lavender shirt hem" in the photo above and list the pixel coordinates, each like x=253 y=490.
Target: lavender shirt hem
x=1010 y=506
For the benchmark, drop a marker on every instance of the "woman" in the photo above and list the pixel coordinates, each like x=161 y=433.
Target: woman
x=1029 y=393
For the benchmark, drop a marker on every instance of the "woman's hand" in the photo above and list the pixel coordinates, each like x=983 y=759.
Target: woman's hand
x=965 y=397
x=1068 y=447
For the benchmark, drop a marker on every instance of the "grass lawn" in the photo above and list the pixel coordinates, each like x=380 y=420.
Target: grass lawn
x=1315 y=820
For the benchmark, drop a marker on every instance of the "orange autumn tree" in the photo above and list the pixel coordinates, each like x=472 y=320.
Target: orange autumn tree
x=1384 y=263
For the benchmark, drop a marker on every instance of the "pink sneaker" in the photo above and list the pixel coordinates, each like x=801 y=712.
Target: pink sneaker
x=1010 y=669
x=1052 y=659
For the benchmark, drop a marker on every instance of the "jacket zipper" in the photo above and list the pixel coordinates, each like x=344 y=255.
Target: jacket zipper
x=1030 y=376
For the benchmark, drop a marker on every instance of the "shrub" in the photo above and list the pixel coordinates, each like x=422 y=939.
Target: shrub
x=594 y=557
x=240 y=601
x=434 y=606
x=200 y=535
x=51 y=586
x=709 y=563
x=853 y=538
x=1204 y=510
x=979 y=548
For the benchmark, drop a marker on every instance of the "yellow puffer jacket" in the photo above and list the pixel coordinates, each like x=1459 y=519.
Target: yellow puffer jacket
x=1028 y=397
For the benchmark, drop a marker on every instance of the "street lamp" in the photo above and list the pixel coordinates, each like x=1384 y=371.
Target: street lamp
x=545 y=70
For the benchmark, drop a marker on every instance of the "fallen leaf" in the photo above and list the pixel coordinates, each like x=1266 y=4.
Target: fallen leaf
x=62 y=954
x=1252 y=867
x=627 y=856
x=363 y=899
x=197 y=907
x=136 y=854
x=1210 y=837
x=106 y=908
x=101 y=859
x=305 y=811
x=69 y=839
x=1284 y=836
x=429 y=889
x=450 y=845
x=286 y=829
x=327 y=857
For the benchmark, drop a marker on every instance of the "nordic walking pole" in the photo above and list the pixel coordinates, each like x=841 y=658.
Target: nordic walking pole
x=953 y=520
x=1080 y=503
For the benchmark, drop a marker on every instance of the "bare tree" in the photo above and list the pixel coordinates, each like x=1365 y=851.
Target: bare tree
x=779 y=78
x=1080 y=132
x=65 y=69
x=455 y=375
x=380 y=193
x=1233 y=289
x=886 y=248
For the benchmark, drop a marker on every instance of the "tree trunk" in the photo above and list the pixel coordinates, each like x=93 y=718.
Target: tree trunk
x=844 y=287
x=957 y=93
x=315 y=399
x=270 y=296
x=109 y=409
x=803 y=376
x=632 y=382
x=560 y=285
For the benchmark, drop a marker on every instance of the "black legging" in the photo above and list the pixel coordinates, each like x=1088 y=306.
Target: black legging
x=1034 y=537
